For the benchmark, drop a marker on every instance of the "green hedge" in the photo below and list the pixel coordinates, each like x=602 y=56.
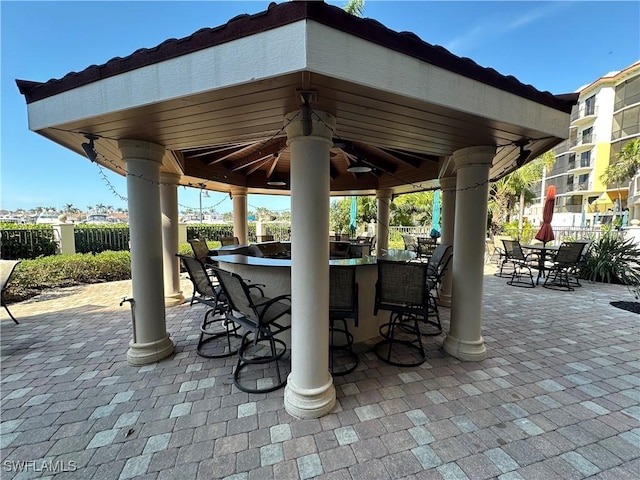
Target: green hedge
x=33 y=276
x=26 y=241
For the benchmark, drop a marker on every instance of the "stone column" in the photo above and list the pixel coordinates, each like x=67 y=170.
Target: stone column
x=464 y=340
x=383 y=198
x=64 y=233
x=310 y=392
x=169 y=206
x=150 y=341
x=239 y=195
x=448 y=186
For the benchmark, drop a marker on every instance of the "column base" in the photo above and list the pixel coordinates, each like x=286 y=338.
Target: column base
x=444 y=300
x=474 y=351
x=146 y=353
x=173 y=299
x=309 y=403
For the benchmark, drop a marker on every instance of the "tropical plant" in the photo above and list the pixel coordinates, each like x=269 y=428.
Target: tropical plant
x=626 y=166
x=412 y=209
x=612 y=259
x=513 y=191
x=354 y=7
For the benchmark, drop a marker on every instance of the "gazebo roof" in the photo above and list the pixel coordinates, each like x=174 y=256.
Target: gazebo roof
x=217 y=100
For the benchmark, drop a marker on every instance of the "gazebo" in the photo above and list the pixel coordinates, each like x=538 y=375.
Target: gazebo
x=306 y=93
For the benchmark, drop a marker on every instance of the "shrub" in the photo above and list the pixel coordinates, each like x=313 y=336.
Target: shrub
x=26 y=241
x=31 y=277
x=612 y=259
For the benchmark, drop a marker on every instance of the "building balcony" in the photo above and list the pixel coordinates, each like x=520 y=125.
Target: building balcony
x=584 y=115
x=583 y=142
x=627 y=131
x=580 y=166
x=580 y=188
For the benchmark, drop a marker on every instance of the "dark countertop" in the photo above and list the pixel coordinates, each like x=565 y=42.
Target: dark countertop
x=393 y=255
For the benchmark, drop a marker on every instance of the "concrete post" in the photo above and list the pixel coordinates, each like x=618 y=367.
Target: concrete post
x=150 y=341
x=448 y=186
x=239 y=195
x=169 y=206
x=65 y=236
x=464 y=340
x=310 y=392
x=383 y=198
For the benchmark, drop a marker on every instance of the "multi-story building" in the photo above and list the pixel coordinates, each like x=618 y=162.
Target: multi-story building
x=606 y=117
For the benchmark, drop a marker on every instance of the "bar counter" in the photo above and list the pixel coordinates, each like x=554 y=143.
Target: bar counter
x=275 y=273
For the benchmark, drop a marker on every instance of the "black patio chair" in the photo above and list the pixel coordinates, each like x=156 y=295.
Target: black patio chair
x=436 y=268
x=203 y=253
x=574 y=273
x=7 y=267
x=426 y=247
x=258 y=316
x=410 y=243
x=401 y=289
x=343 y=306
x=564 y=264
x=226 y=241
x=219 y=336
x=522 y=264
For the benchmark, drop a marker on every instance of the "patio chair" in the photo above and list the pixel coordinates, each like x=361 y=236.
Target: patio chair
x=7 y=267
x=343 y=306
x=265 y=238
x=436 y=268
x=426 y=247
x=225 y=241
x=574 y=273
x=259 y=316
x=500 y=256
x=201 y=252
x=410 y=243
x=565 y=263
x=522 y=264
x=217 y=332
x=401 y=289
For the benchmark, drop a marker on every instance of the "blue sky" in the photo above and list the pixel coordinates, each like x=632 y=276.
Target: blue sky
x=554 y=46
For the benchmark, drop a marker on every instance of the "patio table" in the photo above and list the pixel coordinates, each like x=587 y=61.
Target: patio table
x=541 y=250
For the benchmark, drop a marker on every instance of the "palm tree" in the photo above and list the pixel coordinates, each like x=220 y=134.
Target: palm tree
x=626 y=166
x=354 y=7
x=68 y=208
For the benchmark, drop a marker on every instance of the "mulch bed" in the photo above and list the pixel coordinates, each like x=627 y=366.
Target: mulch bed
x=628 y=306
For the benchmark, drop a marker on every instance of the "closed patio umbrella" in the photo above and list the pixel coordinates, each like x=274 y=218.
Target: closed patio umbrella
x=545 y=234
x=435 y=216
x=353 y=216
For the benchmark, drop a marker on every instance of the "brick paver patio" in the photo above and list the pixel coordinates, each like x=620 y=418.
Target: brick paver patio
x=557 y=397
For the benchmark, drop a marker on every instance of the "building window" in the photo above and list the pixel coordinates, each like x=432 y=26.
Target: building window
x=590 y=106
x=585 y=159
x=586 y=135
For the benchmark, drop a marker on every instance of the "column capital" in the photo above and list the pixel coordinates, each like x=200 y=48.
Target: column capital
x=322 y=126
x=448 y=183
x=139 y=149
x=472 y=156
x=384 y=193
x=169 y=177
x=238 y=191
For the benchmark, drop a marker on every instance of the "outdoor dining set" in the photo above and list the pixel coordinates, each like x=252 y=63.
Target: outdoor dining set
x=559 y=265
x=241 y=320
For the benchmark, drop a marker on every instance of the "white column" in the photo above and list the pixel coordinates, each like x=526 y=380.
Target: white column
x=169 y=206
x=448 y=186
x=150 y=341
x=383 y=198
x=310 y=392
x=64 y=233
x=464 y=340
x=239 y=195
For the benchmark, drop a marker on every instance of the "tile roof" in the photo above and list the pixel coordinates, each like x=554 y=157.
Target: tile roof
x=278 y=15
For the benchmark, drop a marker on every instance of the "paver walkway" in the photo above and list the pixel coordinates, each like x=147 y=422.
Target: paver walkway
x=558 y=397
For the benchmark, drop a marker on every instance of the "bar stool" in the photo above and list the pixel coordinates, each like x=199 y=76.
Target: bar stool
x=343 y=306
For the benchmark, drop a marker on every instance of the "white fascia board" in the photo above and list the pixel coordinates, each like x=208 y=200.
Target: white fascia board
x=258 y=57
x=343 y=56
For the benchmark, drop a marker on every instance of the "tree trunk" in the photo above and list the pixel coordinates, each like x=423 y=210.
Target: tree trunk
x=521 y=214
